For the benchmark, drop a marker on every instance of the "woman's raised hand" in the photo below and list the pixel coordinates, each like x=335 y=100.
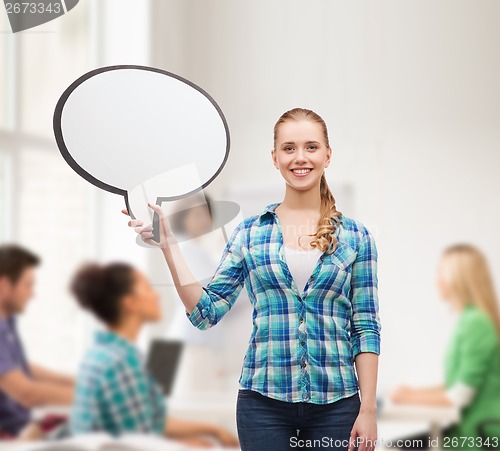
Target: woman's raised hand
x=166 y=236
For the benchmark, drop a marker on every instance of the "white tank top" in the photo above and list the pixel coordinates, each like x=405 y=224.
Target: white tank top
x=301 y=264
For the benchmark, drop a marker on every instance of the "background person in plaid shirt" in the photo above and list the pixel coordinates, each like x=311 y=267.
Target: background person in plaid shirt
x=298 y=374
x=114 y=392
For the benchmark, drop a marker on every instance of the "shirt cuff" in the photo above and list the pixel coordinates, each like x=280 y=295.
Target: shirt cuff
x=368 y=341
x=199 y=316
x=460 y=394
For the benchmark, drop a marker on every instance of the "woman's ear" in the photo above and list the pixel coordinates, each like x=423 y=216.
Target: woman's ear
x=273 y=156
x=328 y=156
x=128 y=305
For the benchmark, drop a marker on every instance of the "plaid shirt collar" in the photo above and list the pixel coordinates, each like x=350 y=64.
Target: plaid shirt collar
x=268 y=211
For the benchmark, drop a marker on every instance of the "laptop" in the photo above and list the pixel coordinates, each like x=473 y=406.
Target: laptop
x=163 y=362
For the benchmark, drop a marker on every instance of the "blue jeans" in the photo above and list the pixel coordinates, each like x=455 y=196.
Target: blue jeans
x=266 y=424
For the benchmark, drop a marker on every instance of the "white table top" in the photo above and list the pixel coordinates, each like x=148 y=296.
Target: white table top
x=434 y=414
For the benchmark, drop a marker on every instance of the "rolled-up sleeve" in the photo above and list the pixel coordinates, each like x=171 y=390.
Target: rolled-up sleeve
x=220 y=294
x=365 y=320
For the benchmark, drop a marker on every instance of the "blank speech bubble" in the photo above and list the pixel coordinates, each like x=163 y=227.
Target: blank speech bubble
x=143 y=133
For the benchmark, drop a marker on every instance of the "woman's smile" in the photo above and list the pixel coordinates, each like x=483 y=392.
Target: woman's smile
x=301 y=172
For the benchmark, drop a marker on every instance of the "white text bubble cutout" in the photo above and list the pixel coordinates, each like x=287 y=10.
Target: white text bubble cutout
x=141 y=132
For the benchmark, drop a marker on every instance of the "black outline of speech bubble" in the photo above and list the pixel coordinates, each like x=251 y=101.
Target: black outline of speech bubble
x=89 y=177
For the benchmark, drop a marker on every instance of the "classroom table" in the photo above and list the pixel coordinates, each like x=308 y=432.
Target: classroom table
x=433 y=418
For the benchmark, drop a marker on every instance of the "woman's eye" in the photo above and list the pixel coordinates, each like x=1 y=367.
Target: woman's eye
x=288 y=148
x=313 y=147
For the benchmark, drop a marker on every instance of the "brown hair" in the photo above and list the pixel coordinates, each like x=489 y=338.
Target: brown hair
x=14 y=259
x=330 y=218
x=468 y=277
x=100 y=289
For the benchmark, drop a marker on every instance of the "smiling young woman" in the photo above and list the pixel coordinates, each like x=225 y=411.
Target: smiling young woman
x=311 y=275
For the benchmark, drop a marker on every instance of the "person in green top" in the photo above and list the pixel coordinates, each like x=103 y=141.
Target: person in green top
x=472 y=357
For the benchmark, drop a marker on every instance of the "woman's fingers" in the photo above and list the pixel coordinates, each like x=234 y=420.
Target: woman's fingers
x=143 y=229
x=165 y=231
x=352 y=440
x=138 y=222
x=157 y=209
x=132 y=222
x=146 y=233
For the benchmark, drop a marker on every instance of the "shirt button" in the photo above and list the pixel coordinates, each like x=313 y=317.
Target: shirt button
x=304 y=365
x=302 y=342
x=311 y=278
x=299 y=298
x=301 y=320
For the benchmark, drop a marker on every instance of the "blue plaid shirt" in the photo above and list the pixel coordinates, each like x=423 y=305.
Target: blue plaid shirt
x=303 y=344
x=114 y=393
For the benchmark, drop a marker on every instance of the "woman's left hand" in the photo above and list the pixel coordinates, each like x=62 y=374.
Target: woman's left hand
x=364 y=431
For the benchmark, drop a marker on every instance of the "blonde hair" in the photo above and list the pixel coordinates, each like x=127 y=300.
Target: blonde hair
x=325 y=240
x=468 y=277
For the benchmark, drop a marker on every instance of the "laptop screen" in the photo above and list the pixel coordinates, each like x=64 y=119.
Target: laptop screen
x=163 y=362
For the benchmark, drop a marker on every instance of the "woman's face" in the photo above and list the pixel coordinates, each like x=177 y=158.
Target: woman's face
x=300 y=153
x=144 y=300
x=441 y=283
